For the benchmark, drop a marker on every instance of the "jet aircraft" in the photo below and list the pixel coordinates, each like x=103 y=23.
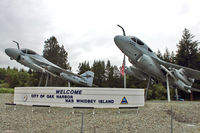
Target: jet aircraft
x=146 y=65
x=31 y=59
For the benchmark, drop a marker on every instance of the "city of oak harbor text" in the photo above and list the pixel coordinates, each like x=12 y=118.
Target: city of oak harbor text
x=68 y=96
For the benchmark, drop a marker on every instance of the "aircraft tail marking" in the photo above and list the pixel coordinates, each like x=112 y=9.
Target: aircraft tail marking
x=88 y=76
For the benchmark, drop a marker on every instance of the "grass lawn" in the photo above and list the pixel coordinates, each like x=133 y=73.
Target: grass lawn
x=7 y=90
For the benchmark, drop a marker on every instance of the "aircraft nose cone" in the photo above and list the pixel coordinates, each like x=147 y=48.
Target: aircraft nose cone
x=12 y=53
x=117 y=39
x=120 y=41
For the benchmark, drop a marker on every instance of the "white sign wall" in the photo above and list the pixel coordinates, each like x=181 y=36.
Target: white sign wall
x=79 y=97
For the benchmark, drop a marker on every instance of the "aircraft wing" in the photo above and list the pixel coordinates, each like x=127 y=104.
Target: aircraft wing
x=60 y=70
x=44 y=70
x=189 y=72
x=48 y=66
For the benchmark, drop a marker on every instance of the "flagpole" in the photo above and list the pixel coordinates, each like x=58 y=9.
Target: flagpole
x=124 y=71
x=124 y=62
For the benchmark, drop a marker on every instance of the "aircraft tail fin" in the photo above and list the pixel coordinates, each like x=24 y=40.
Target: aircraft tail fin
x=88 y=76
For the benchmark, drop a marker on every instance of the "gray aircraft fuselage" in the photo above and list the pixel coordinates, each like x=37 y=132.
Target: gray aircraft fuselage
x=28 y=58
x=146 y=62
x=36 y=62
x=139 y=55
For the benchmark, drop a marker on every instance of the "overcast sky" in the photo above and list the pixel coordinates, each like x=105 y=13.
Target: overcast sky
x=86 y=28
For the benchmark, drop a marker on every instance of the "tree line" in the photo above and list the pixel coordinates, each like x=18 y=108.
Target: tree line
x=106 y=74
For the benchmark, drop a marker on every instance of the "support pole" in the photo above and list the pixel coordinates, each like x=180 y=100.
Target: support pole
x=124 y=80
x=47 y=80
x=69 y=84
x=176 y=91
x=148 y=85
x=40 y=79
x=191 y=96
x=171 y=120
x=124 y=34
x=51 y=84
x=82 y=124
x=168 y=91
x=124 y=71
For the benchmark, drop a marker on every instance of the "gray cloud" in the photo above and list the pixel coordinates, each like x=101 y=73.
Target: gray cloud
x=23 y=21
x=184 y=9
x=87 y=34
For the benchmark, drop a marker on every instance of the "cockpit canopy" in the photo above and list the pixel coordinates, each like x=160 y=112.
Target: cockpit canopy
x=138 y=41
x=28 y=51
x=141 y=43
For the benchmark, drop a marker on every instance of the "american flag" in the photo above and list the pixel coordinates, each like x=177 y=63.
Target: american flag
x=122 y=68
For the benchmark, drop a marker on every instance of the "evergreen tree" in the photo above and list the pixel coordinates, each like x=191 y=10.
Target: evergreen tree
x=187 y=54
x=15 y=78
x=2 y=74
x=159 y=54
x=116 y=72
x=166 y=56
x=99 y=71
x=83 y=67
x=172 y=57
x=109 y=74
x=117 y=78
x=57 y=55
x=63 y=58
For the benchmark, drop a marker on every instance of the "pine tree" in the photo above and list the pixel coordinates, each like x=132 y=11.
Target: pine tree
x=109 y=74
x=172 y=57
x=99 y=71
x=166 y=56
x=187 y=54
x=57 y=55
x=159 y=54
x=83 y=67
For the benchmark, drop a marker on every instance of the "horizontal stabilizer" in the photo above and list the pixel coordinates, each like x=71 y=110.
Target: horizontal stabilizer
x=192 y=89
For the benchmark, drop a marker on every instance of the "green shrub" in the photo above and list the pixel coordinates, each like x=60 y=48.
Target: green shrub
x=7 y=90
x=4 y=85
